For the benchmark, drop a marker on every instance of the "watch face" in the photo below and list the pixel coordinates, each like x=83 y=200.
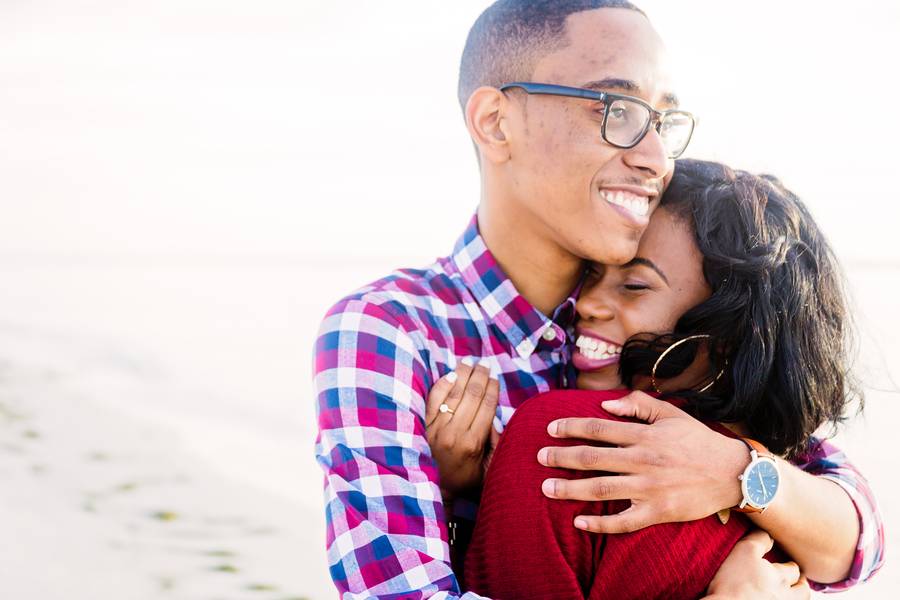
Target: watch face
x=762 y=483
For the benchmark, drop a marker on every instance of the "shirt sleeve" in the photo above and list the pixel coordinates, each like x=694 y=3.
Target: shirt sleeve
x=386 y=533
x=824 y=459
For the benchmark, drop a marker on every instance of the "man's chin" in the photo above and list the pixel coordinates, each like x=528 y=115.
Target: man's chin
x=614 y=254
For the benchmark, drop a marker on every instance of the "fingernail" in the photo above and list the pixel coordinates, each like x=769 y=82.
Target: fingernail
x=467 y=361
x=549 y=487
x=495 y=371
x=553 y=427
x=543 y=456
x=581 y=523
x=451 y=376
x=613 y=405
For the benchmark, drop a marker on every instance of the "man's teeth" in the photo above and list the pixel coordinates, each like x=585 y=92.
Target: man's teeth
x=639 y=205
x=597 y=349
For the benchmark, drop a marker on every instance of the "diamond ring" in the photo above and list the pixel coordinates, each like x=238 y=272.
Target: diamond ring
x=445 y=409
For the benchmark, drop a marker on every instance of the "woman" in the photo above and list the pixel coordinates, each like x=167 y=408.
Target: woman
x=734 y=302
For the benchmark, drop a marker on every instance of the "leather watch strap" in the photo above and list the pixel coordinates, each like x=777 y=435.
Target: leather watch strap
x=754 y=445
x=760 y=451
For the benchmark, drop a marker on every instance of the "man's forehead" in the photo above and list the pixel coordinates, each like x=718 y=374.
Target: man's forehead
x=614 y=47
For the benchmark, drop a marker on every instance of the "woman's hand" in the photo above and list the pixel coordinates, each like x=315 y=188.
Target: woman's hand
x=461 y=435
x=747 y=574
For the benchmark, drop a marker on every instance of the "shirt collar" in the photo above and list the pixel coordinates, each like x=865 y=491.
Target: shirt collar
x=511 y=315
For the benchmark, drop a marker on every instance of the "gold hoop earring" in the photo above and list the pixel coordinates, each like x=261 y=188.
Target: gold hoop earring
x=672 y=347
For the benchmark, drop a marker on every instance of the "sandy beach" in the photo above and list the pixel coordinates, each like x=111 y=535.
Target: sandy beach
x=118 y=483
x=105 y=505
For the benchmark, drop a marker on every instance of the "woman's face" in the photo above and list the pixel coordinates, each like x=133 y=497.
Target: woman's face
x=647 y=295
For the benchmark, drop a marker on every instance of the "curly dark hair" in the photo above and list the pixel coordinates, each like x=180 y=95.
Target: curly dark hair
x=778 y=321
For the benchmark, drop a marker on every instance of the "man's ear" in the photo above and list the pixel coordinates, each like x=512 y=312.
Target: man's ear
x=487 y=124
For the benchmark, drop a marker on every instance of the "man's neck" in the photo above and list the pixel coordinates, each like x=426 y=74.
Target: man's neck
x=542 y=271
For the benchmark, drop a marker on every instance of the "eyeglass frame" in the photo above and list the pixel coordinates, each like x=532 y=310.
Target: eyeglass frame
x=607 y=98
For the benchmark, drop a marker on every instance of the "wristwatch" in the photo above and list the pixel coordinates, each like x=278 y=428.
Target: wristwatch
x=759 y=481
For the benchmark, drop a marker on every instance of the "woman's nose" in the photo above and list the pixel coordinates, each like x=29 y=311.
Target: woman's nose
x=593 y=305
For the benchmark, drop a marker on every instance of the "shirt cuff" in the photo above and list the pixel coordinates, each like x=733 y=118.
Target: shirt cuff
x=869 y=548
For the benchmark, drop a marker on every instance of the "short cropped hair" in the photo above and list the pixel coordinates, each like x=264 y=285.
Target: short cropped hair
x=511 y=36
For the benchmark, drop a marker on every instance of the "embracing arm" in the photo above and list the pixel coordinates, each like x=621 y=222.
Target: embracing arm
x=677 y=469
x=386 y=531
x=826 y=519
x=852 y=508
x=814 y=521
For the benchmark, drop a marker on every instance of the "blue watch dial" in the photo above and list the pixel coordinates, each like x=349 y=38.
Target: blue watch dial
x=762 y=483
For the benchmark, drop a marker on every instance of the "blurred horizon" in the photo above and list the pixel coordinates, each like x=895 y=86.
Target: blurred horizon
x=199 y=128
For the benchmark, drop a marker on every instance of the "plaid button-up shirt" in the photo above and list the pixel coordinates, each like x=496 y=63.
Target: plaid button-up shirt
x=379 y=351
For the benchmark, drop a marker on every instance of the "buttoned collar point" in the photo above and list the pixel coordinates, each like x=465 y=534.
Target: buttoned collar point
x=511 y=315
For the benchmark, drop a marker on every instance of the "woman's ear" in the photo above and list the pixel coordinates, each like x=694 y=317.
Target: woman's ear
x=486 y=119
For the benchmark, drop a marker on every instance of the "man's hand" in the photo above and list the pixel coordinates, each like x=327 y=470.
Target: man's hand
x=673 y=467
x=746 y=574
x=462 y=438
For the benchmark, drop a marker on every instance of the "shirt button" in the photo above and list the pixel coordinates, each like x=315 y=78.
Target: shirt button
x=549 y=334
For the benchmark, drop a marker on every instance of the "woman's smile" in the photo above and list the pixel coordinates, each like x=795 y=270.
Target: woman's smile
x=594 y=351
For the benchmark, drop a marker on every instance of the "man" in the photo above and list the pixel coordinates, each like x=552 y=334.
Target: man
x=564 y=179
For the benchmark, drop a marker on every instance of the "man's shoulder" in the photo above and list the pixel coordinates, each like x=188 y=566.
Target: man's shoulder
x=411 y=299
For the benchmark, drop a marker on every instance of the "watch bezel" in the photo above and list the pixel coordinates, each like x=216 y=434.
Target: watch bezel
x=757 y=459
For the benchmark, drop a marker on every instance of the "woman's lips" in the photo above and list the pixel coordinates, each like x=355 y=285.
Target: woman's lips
x=593 y=352
x=583 y=363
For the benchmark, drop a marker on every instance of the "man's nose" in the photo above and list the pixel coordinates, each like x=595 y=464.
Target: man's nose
x=650 y=155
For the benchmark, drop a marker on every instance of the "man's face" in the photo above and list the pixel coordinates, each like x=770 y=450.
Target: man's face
x=594 y=199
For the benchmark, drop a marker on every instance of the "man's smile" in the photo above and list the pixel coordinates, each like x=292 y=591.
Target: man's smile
x=630 y=201
x=636 y=204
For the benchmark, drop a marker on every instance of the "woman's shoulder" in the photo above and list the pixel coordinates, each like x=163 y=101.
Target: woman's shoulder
x=597 y=395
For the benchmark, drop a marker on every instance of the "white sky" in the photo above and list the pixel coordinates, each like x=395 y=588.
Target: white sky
x=318 y=130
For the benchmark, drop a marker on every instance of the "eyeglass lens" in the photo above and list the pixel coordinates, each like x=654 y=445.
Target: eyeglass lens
x=627 y=122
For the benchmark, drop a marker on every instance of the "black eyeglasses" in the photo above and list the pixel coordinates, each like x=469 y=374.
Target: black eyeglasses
x=626 y=120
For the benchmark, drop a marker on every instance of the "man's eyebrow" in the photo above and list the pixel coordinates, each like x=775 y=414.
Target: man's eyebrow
x=672 y=100
x=627 y=85
x=613 y=83
x=638 y=261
